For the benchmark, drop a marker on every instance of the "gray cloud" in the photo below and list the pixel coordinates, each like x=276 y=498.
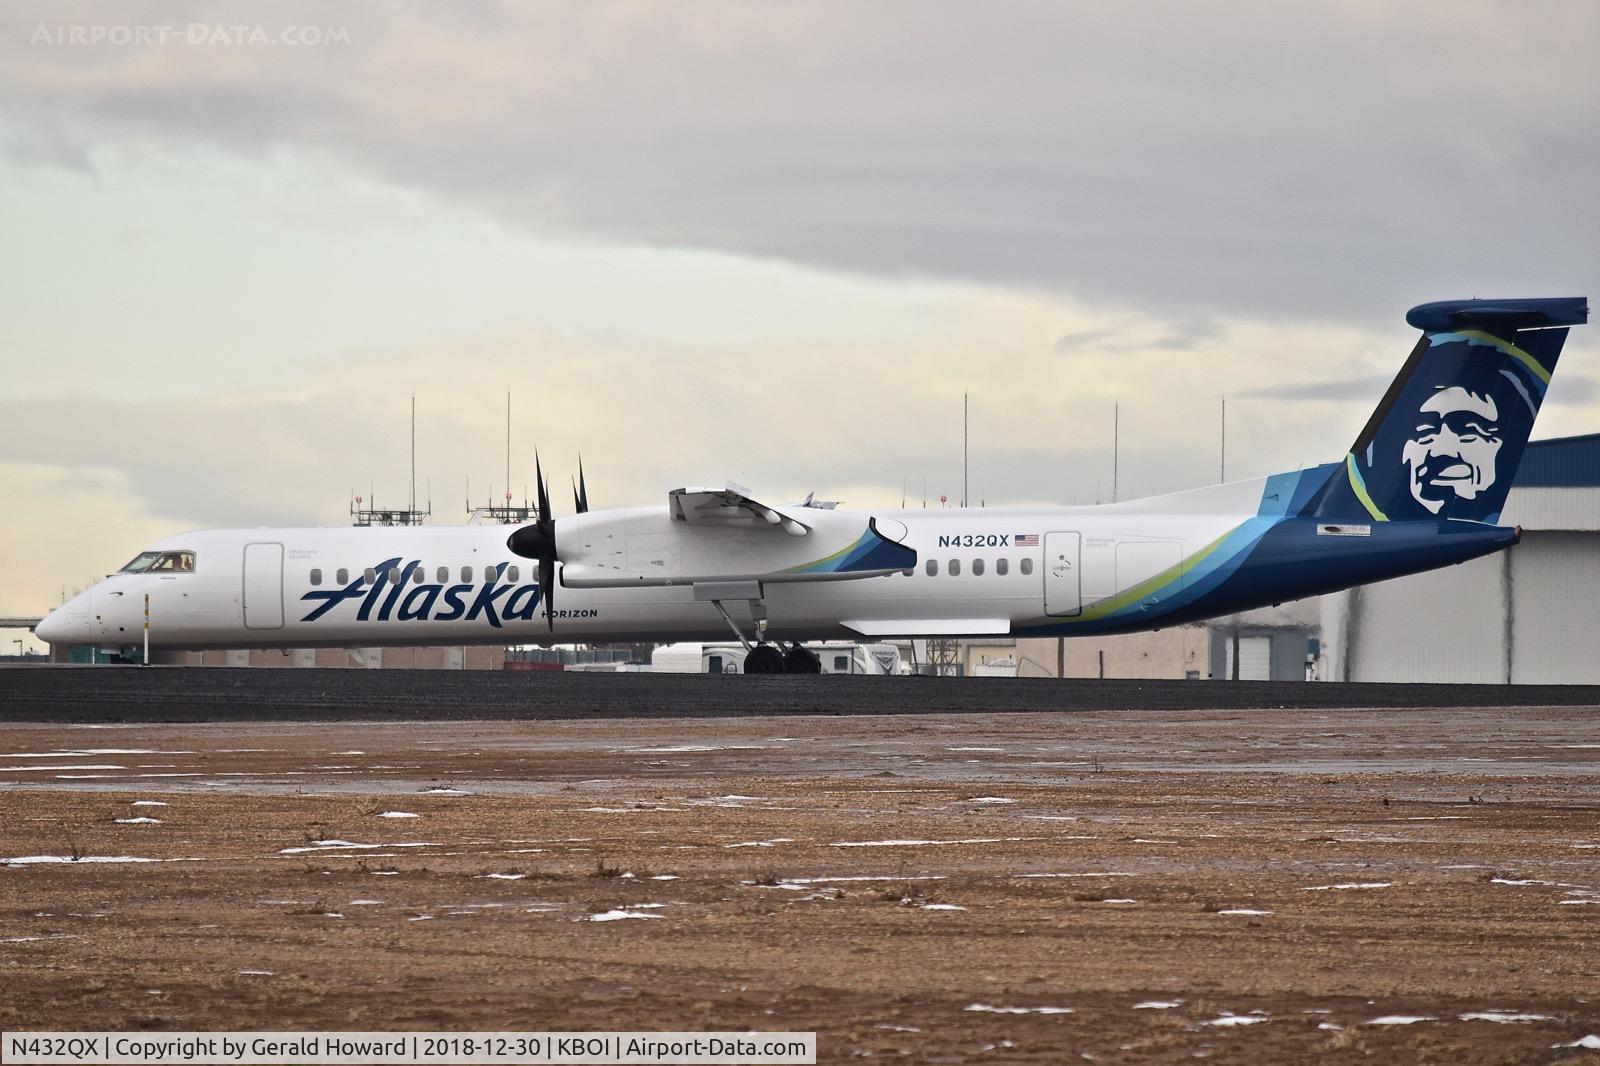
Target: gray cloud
x=1334 y=161
x=1183 y=335
x=1368 y=388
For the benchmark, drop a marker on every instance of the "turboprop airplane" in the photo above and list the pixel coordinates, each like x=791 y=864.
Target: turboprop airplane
x=1421 y=487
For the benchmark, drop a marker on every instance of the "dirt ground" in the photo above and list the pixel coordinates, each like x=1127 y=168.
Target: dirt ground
x=1255 y=886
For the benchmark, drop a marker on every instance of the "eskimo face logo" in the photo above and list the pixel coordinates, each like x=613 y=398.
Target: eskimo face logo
x=1452 y=451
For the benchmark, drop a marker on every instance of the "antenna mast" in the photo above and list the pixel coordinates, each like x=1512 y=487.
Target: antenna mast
x=1222 y=446
x=1116 y=429
x=413 y=503
x=963 y=449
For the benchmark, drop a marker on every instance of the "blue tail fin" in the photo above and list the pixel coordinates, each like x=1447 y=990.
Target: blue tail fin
x=1445 y=441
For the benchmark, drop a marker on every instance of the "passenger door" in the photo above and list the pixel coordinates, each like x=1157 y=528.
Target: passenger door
x=263 y=586
x=1063 y=584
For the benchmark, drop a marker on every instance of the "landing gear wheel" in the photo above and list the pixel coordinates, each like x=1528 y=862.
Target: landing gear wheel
x=764 y=659
x=800 y=661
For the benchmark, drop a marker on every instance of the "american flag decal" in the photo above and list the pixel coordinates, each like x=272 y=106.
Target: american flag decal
x=1025 y=540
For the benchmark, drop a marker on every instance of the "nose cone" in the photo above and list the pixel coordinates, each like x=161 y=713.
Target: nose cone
x=70 y=623
x=54 y=629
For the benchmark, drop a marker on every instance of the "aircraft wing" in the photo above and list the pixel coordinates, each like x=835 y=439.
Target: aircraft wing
x=732 y=506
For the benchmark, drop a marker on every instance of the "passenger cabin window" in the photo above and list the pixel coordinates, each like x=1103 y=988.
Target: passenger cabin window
x=932 y=567
x=977 y=568
x=370 y=574
x=955 y=568
x=1027 y=566
x=316 y=577
x=419 y=574
x=343 y=576
x=512 y=573
x=443 y=574
x=161 y=562
x=394 y=575
x=491 y=572
x=841 y=664
x=1002 y=566
x=466 y=574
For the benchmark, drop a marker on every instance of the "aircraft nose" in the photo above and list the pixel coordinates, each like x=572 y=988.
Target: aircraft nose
x=69 y=623
x=53 y=629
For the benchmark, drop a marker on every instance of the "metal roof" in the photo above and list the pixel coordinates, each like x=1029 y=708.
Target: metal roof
x=1562 y=462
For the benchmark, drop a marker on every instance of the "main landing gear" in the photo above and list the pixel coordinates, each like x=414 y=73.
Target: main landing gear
x=770 y=659
x=764 y=658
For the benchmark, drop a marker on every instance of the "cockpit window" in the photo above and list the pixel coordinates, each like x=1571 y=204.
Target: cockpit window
x=161 y=562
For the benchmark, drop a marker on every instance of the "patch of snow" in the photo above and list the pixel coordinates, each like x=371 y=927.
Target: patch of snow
x=616 y=916
x=76 y=766
x=1503 y=1016
x=990 y=799
x=503 y=877
x=139 y=821
x=148 y=803
x=399 y=814
x=1592 y=1042
x=923 y=843
x=1348 y=884
x=1231 y=1019
x=1402 y=1019
x=30 y=939
x=1119 y=901
x=443 y=792
x=365 y=903
x=31 y=860
x=1158 y=1004
x=760 y=843
x=258 y=973
x=1244 y=911
x=665 y=877
x=987 y=1008
x=1108 y=873
x=941 y=907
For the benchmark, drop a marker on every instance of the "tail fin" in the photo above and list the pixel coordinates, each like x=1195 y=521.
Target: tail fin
x=1447 y=437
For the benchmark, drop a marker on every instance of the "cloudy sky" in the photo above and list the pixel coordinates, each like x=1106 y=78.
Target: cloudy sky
x=772 y=242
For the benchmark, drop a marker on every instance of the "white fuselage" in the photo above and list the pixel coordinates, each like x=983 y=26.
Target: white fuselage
x=256 y=587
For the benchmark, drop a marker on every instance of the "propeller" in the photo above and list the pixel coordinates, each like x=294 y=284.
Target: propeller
x=537 y=540
x=580 y=491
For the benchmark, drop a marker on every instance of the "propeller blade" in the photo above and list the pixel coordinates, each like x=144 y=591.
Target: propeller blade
x=544 y=489
x=547 y=588
x=582 y=490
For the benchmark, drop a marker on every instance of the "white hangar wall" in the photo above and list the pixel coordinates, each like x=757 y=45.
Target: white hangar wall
x=1529 y=615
